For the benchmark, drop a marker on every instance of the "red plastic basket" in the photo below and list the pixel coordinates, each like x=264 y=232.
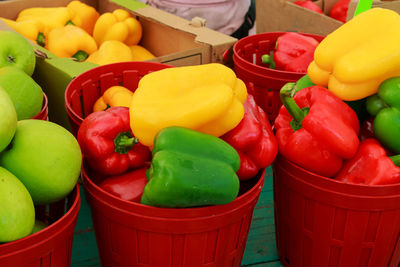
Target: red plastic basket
x=43 y=114
x=264 y=82
x=323 y=222
x=51 y=246
x=83 y=91
x=131 y=234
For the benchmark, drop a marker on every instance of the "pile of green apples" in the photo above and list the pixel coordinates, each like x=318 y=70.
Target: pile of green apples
x=40 y=161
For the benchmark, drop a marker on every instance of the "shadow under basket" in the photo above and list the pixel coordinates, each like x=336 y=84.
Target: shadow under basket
x=323 y=222
x=43 y=114
x=83 y=91
x=50 y=247
x=132 y=234
x=264 y=83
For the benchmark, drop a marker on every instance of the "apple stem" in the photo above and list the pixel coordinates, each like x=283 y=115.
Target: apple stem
x=10 y=59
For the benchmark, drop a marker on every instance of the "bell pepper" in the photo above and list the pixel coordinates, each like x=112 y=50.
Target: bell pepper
x=71 y=41
x=370 y=166
x=118 y=25
x=139 y=53
x=353 y=60
x=83 y=16
x=366 y=129
x=253 y=139
x=207 y=98
x=108 y=144
x=310 y=5
x=50 y=17
x=111 y=51
x=127 y=186
x=293 y=52
x=315 y=129
x=115 y=96
x=190 y=169
x=385 y=106
x=31 y=29
x=339 y=10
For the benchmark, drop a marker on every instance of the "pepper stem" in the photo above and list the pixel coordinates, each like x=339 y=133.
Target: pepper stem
x=80 y=56
x=124 y=142
x=40 y=40
x=268 y=59
x=396 y=160
x=286 y=94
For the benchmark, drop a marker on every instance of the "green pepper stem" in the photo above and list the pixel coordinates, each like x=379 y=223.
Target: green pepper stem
x=40 y=40
x=286 y=94
x=124 y=142
x=268 y=59
x=80 y=56
x=396 y=160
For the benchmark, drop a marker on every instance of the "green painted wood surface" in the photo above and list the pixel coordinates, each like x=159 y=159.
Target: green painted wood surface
x=260 y=248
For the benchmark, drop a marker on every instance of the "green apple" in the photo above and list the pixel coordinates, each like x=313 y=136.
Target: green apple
x=17 y=213
x=45 y=157
x=16 y=51
x=8 y=119
x=39 y=226
x=25 y=93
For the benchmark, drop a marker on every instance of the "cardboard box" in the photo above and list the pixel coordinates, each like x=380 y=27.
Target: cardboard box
x=284 y=16
x=174 y=40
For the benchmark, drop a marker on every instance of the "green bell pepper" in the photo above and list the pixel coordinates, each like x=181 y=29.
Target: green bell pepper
x=385 y=106
x=190 y=169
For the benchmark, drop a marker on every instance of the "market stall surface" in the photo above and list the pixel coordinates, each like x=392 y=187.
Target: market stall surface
x=260 y=247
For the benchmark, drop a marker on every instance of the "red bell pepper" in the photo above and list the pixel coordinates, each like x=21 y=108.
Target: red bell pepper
x=107 y=142
x=309 y=5
x=315 y=129
x=128 y=186
x=293 y=52
x=253 y=139
x=339 y=10
x=370 y=166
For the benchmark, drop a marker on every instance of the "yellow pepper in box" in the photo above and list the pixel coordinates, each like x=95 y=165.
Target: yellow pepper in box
x=139 y=53
x=118 y=25
x=111 y=52
x=208 y=98
x=31 y=29
x=71 y=41
x=84 y=16
x=354 y=59
x=113 y=97
x=50 y=17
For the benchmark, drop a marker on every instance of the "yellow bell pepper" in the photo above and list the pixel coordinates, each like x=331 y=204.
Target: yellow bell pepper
x=111 y=52
x=31 y=29
x=208 y=98
x=354 y=59
x=84 y=16
x=113 y=97
x=71 y=41
x=118 y=25
x=50 y=17
x=139 y=53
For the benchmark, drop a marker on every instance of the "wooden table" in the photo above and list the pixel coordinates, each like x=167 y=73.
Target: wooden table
x=260 y=248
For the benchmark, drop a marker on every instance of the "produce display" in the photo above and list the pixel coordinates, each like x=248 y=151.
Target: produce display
x=40 y=161
x=80 y=32
x=338 y=11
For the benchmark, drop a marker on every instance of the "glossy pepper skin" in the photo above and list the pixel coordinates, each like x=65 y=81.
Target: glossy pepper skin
x=370 y=166
x=108 y=144
x=385 y=107
x=83 y=16
x=339 y=10
x=115 y=96
x=71 y=41
x=127 y=186
x=118 y=25
x=315 y=129
x=253 y=139
x=190 y=169
x=31 y=29
x=353 y=60
x=294 y=52
x=208 y=98
x=111 y=51
x=310 y=5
